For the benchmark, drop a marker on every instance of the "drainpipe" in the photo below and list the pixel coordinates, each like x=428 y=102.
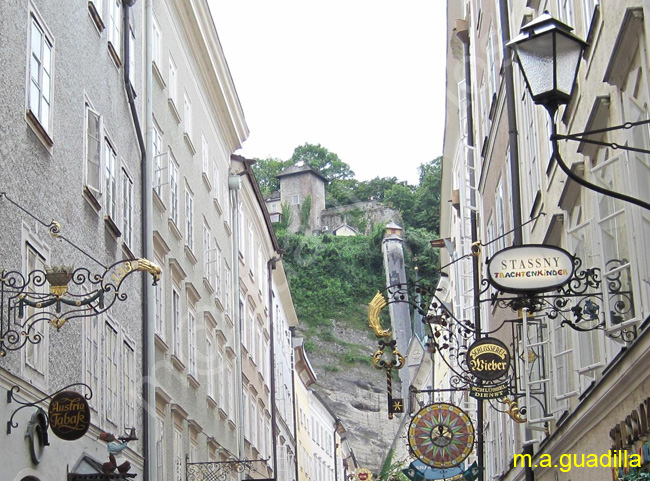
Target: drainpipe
x=234 y=184
x=464 y=38
x=274 y=427
x=148 y=347
x=514 y=162
x=512 y=122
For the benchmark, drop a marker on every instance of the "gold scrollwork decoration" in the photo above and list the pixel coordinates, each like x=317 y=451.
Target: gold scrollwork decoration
x=374 y=309
x=145 y=265
x=513 y=410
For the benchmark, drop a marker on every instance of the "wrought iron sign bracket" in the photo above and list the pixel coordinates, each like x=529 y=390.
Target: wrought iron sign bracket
x=219 y=470
x=11 y=397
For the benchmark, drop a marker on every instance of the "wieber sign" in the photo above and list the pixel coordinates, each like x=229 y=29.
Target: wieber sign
x=530 y=269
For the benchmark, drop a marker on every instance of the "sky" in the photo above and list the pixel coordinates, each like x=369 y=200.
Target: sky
x=363 y=78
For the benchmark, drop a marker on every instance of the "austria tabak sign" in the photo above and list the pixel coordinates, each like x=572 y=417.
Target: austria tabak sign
x=69 y=415
x=530 y=269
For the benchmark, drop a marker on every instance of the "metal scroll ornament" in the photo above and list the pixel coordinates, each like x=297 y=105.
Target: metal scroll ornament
x=441 y=435
x=57 y=295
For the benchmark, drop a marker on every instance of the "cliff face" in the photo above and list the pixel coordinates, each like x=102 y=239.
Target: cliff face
x=357 y=393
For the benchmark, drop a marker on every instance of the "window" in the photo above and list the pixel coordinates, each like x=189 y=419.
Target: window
x=178 y=454
x=228 y=290
x=96 y=8
x=187 y=116
x=242 y=240
x=215 y=181
x=209 y=359
x=93 y=151
x=159 y=306
x=565 y=11
x=173 y=190
x=216 y=269
x=246 y=407
x=36 y=356
x=160 y=448
x=589 y=6
x=115 y=28
x=191 y=334
x=492 y=66
x=110 y=176
x=158 y=161
x=132 y=57
x=189 y=219
x=40 y=75
x=208 y=254
x=172 y=83
x=251 y=256
x=92 y=368
x=230 y=391
x=156 y=47
x=127 y=208
x=500 y=215
x=221 y=381
x=244 y=324
x=111 y=383
x=205 y=157
x=295 y=199
x=176 y=323
x=129 y=389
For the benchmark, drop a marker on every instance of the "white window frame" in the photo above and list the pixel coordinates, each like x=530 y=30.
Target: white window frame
x=114 y=27
x=205 y=157
x=40 y=74
x=127 y=208
x=93 y=166
x=177 y=346
x=189 y=218
x=218 y=260
x=178 y=454
x=36 y=355
x=128 y=394
x=172 y=82
x=92 y=368
x=191 y=341
x=111 y=357
x=156 y=47
x=159 y=305
x=208 y=255
x=160 y=448
x=173 y=190
x=187 y=116
x=210 y=371
x=158 y=158
x=110 y=179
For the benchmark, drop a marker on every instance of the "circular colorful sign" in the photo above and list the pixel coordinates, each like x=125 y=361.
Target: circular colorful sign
x=364 y=474
x=69 y=415
x=441 y=435
x=488 y=359
x=530 y=268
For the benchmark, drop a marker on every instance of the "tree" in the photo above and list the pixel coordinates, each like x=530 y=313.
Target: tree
x=327 y=163
x=266 y=172
x=426 y=209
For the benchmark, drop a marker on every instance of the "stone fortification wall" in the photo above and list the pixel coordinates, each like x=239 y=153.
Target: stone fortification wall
x=361 y=215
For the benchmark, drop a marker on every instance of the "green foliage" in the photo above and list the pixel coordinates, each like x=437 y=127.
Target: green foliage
x=324 y=161
x=305 y=212
x=421 y=253
x=637 y=476
x=333 y=277
x=329 y=368
x=266 y=172
x=357 y=219
x=309 y=345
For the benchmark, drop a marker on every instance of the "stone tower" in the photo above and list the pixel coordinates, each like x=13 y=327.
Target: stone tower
x=400 y=316
x=301 y=183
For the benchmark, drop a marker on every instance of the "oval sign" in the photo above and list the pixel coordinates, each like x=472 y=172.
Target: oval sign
x=69 y=415
x=530 y=268
x=488 y=359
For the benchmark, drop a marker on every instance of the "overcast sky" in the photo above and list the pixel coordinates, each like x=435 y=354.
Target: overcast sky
x=363 y=78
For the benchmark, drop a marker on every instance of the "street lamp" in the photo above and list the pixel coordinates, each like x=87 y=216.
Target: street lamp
x=549 y=57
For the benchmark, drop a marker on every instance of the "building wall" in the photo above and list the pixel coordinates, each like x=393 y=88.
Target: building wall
x=46 y=174
x=585 y=371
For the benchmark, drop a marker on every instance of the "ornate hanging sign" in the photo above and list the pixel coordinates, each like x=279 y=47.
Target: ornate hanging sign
x=441 y=435
x=488 y=359
x=530 y=269
x=69 y=415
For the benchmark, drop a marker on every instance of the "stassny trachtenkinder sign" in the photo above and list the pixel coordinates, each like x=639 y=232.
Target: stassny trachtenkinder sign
x=530 y=269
